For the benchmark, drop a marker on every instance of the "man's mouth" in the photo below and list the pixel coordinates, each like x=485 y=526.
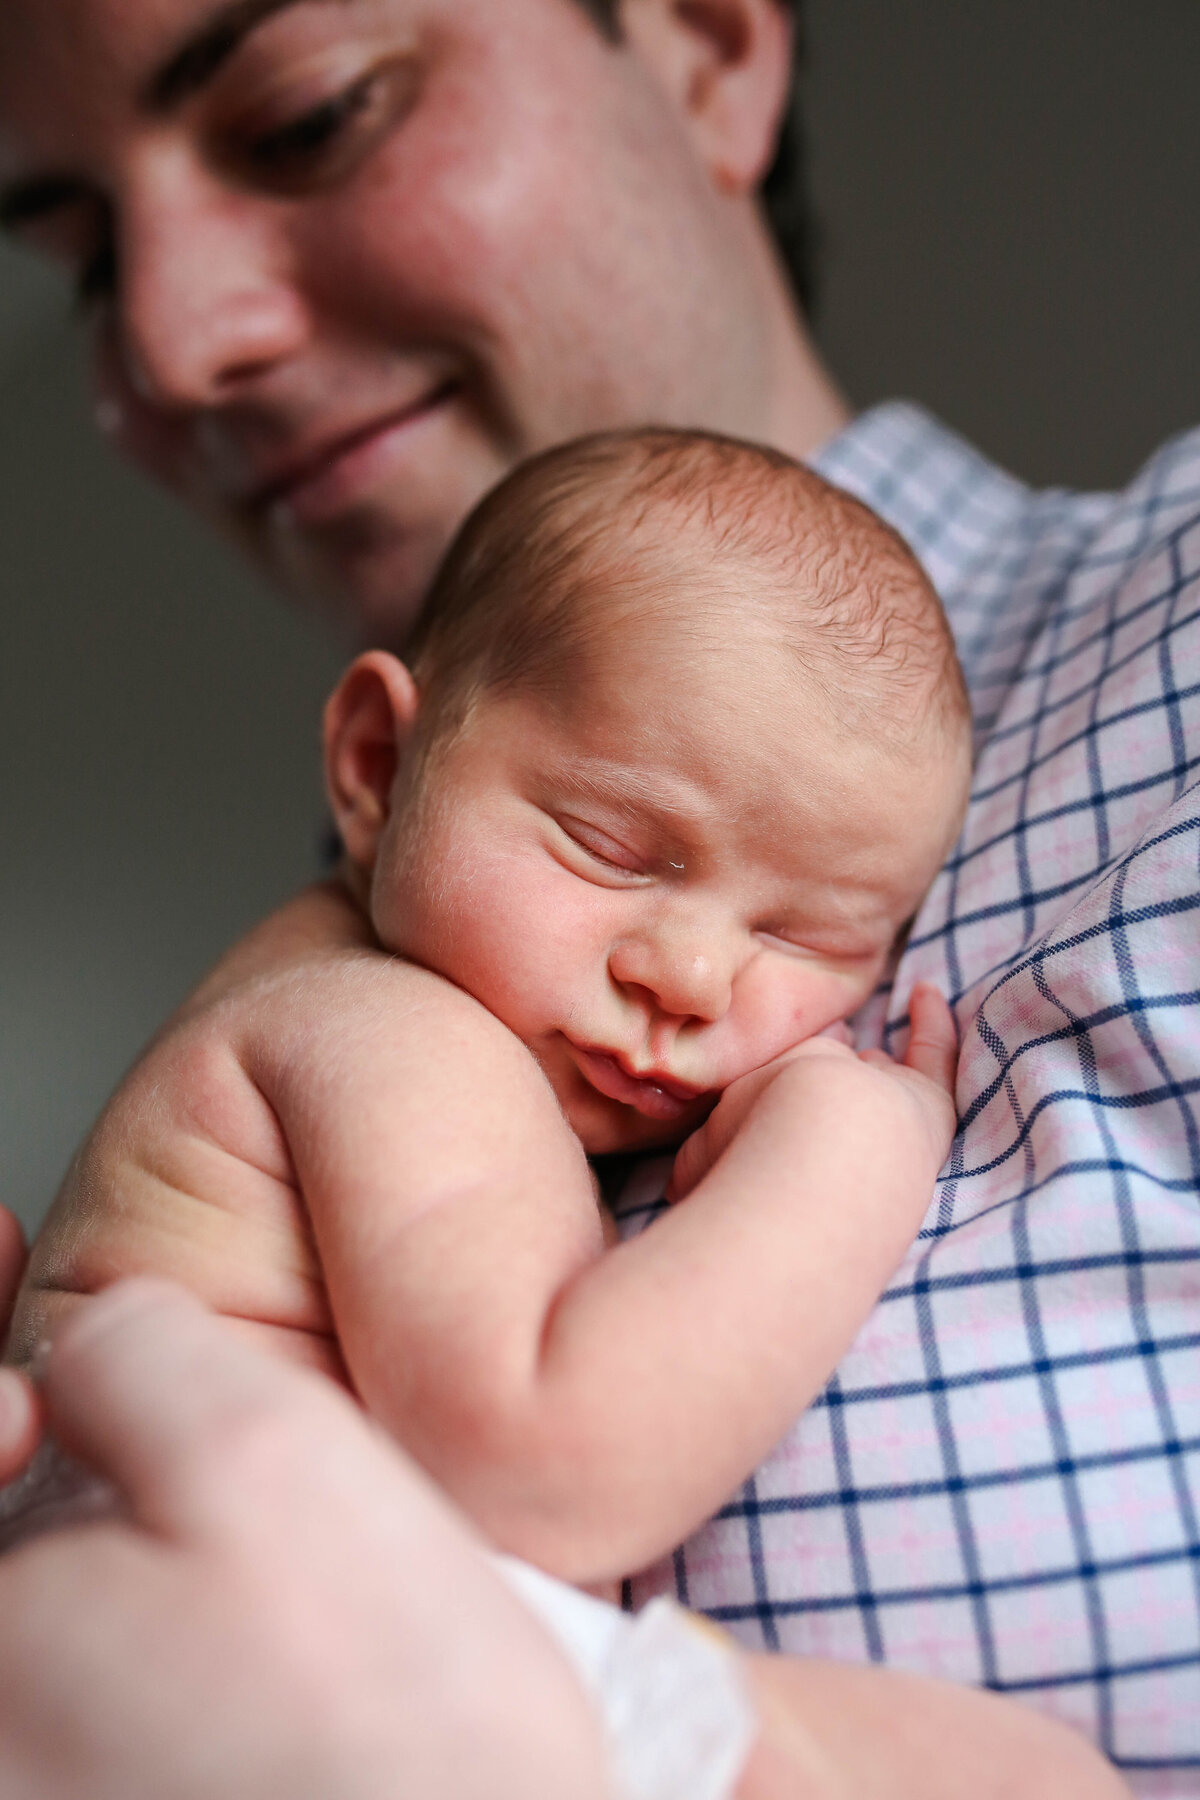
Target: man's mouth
x=654 y=1095
x=321 y=482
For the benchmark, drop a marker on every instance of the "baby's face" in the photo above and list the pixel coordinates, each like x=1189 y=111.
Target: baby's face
x=664 y=884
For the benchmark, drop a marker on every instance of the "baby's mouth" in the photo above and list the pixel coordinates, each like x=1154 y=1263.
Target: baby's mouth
x=655 y=1096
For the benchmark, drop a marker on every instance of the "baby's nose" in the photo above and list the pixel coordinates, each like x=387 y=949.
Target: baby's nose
x=685 y=979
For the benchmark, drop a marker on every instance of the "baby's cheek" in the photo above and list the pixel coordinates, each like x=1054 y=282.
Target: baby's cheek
x=793 y=1002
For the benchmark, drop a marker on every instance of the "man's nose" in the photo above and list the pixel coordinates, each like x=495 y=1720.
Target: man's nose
x=686 y=974
x=205 y=302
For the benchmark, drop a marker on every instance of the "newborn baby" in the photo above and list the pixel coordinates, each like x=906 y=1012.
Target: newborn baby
x=679 y=747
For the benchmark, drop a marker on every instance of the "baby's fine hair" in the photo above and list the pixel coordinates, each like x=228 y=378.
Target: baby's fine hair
x=709 y=532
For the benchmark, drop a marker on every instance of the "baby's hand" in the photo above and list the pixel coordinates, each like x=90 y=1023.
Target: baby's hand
x=926 y=1074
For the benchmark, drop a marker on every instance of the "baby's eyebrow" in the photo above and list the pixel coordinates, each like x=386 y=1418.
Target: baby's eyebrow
x=637 y=791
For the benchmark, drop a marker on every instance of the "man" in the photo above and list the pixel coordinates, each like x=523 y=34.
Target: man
x=348 y=260
x=314 y=244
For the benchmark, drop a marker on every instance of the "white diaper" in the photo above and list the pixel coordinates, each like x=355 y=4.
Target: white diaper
x=671 y=1695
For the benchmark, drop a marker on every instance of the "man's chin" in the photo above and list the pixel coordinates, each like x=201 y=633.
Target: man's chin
x=369 y=582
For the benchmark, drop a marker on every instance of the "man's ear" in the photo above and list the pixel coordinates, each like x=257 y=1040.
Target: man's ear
x=726 y=65
x=368 y=722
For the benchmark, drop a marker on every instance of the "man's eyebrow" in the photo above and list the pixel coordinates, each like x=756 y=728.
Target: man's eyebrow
x=185 y=71
x=199 y=57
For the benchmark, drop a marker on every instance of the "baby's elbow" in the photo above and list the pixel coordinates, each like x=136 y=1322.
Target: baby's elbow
x=540 y=1493
x=571 y=1541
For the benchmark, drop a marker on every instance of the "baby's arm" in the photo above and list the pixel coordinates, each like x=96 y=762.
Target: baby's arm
x=589 y=1407
x=185 y=1173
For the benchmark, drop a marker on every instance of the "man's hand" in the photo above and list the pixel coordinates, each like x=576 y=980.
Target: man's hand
x=925 y=1073
x=288 y=1610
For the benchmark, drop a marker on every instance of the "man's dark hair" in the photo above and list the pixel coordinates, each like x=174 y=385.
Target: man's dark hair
x=784 y=190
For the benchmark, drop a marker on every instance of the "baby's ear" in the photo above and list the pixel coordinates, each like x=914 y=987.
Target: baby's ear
x=369 y=719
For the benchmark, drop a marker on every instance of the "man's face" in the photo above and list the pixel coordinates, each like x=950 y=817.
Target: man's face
x=347 y=261
x=666 y=884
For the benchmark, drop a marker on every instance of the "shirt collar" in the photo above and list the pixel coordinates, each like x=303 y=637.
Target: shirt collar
x=949 y=503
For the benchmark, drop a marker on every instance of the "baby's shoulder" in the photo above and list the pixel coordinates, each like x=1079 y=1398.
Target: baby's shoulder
x=355 y=1003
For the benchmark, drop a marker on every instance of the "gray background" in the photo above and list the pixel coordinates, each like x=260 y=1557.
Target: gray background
x=1009 y=193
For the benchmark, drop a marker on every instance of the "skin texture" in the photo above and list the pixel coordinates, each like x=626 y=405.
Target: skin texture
x=320 y=300
x=586 y=1404
x=645 y=912
x=249 y=328
x=340 y=1623
x=694 y=887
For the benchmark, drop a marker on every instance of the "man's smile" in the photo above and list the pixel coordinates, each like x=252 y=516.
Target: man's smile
x=317 y=483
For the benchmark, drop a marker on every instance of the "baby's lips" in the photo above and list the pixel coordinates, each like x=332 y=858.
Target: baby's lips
x=653 y=1097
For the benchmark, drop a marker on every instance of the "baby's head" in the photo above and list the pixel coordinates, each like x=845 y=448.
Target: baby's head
x=680 y=746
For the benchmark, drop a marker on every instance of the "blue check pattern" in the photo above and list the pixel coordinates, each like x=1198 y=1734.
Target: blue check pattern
x=1001 y=1484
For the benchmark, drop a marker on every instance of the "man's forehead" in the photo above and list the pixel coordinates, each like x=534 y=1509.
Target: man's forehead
x=188 y=38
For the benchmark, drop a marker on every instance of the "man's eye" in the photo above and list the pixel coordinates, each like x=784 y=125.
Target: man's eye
x=325 y=142
x=303 y=138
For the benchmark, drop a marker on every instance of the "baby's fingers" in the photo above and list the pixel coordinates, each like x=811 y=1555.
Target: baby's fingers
x=933 y=1041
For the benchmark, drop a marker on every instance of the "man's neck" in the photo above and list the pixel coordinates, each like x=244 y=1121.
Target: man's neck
x=806 y=407
x=800 y=407
x=812 y=408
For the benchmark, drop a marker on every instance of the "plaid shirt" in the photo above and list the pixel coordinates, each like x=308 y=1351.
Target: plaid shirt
x=1001 y=1484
